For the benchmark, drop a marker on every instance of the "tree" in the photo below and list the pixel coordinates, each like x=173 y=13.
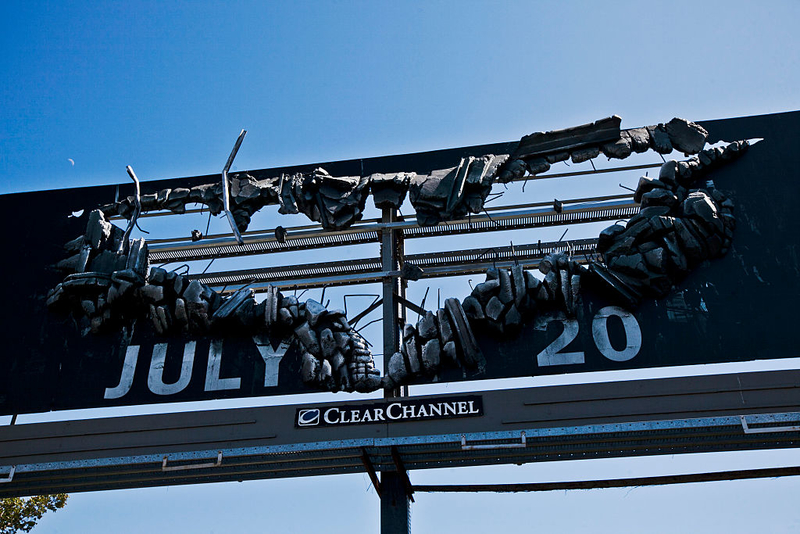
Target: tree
x=18 y=514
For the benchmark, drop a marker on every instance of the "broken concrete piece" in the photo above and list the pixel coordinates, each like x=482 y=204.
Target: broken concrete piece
x=640 y=139
x=449 y=353
x=445 y=330
x=473 y=358
x=327 y=343
x=410 y=345
x=659 y=197
x=427 y=326
x=308 y=338
x=659 y=139
x=506 y=293
x=569 y=139
x=98 y=230
x=314 y=310
x=539 y=165
x=512 y=320
x=518 y=281
x=686 y=136
x=484 y=291
x=430 y=356
x=231 y=304
x=397 y=368
x=585 y=154
x=472 y=307
x=619 y=149
x=494 y=309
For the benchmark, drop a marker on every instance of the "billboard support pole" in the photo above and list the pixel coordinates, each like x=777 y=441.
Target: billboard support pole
x=395 y=504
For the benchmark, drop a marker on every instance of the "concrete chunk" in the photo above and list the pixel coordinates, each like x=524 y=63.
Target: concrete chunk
x=430 y=356
x=494 y=309
x=427 y=326
x=518 y=281
x=686 y=136
x=449 y=353
x=308 y=338
x=327 y=343
x=445 y=329
x=506 y=293
x=472 y=307
x=397 y=368
x=473 y=357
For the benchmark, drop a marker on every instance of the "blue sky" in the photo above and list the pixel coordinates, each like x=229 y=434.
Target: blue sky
x=166 y=87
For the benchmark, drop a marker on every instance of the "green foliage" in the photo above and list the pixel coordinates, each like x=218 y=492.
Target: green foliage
x=18 y=514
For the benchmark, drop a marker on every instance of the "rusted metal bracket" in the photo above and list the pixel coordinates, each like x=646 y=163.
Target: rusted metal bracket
x=226 y=193
x=10 y=476
x=206 y=465
x=521 y=445
x=766 y=430
x=137 y=210
x=401 y=470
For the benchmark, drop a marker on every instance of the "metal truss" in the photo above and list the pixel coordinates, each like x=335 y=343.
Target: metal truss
x=433 y=265
x=574 y=211
x=733 y=412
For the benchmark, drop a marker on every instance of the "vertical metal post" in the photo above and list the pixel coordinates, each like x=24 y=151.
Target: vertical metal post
x=395 y=505
x=390 y=261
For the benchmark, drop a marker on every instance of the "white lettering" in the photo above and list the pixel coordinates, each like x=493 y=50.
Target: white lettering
x=367 y=417
x=422 y=411
x=389 y=413
x=408 y=412
x=327 y=416
x=213 y=381
x=436 y=409
x=355 y=416
x=126 y=379
x=472 y=408
x=272 y=358
x=379 y=414
x=552 y=355
x=155 y=378
x=450 y=407
x=462 y=407
x=633 y=334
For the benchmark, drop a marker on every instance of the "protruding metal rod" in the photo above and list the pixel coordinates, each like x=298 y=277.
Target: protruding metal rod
x=137 y=210
x=226 y=193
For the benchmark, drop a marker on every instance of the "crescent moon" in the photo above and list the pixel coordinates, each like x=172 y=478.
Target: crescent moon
x=72 y=161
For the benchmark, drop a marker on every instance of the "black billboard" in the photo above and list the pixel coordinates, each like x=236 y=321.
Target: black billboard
x=736 y=307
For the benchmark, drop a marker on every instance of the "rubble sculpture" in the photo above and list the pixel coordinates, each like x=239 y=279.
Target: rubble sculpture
x=684 y=220
x=443 y=195
x=109 y=287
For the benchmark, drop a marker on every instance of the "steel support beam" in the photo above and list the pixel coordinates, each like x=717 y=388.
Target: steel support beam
x=395 y=505
x=745 y=474
x=395 y=508
x=731 y=412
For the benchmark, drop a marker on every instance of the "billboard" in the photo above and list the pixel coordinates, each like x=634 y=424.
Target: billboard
x=88 y=323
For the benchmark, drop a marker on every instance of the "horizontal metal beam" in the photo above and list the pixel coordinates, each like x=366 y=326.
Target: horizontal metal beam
x=747 y=474
x=433 y=265
x=614 y=419
x=574 y=212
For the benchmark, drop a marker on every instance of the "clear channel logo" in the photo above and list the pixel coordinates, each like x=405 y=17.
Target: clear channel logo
x=308 y=417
